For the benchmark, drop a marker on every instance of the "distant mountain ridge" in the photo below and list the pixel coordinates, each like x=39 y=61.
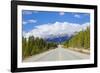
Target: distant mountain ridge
x=58 y=39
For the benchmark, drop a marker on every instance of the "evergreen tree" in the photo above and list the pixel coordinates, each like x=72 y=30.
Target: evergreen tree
x=80 y=40
x=33 y=46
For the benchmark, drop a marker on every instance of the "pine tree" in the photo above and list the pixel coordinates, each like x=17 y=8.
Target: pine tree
x=80 y=40
x=34 y=46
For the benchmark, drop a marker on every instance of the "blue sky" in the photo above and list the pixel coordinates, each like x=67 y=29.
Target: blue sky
x=32 y=19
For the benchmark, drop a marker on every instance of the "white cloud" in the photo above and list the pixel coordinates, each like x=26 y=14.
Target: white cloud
x=77 y=16
x=56 y=29
x=27 y=12
x=24 y=22
x=61 y=13
x=29 y=21
x=24 y=33
x=32 y=21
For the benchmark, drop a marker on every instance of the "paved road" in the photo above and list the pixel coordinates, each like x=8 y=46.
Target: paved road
x=57 y=54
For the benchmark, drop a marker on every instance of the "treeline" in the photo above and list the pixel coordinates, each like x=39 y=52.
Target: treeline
x=32 y=46
x=80 y=40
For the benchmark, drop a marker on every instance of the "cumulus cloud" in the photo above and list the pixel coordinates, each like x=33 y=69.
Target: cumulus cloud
x=61 y=13
x=24 y=22
x=32 y=21
x=56 y=29
x=27 y=12
x=77 y=16
x=24 y=33
x=29 y=21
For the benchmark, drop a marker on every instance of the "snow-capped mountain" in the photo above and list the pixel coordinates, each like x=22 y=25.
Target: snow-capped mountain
x=58 y=39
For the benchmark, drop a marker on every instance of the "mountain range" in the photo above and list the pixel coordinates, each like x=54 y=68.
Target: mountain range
x=58 y=39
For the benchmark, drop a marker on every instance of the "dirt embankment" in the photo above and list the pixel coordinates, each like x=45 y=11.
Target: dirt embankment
x=82 y=50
